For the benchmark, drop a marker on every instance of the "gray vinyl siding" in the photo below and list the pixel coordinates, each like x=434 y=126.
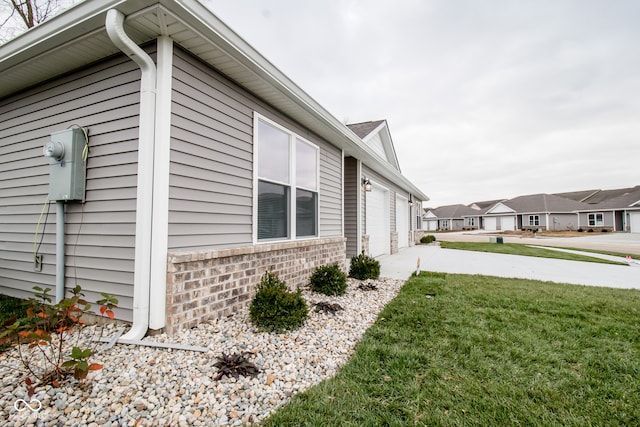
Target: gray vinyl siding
x=100 y=233
x=584 y=219
x=351 y=185
x=211 y=163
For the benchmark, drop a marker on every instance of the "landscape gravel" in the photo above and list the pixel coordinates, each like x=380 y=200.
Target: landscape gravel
x=147 y=386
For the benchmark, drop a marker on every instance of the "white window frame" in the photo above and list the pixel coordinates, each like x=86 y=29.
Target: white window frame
x=592 y=219
x=534 y=220
x=445 y=224
x=472 y=221
x=292 y=185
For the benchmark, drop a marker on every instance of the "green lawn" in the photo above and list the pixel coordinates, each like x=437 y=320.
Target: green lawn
x=458 y=350
x=519 y=249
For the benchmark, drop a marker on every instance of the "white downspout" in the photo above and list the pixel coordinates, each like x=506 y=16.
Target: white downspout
x=146 y=138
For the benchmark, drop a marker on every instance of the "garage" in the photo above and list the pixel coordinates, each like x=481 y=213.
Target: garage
x=490 y=223
x=507 y=223
x=432 y=225
x=377 y=221
x=402 y=221
x=634 y=222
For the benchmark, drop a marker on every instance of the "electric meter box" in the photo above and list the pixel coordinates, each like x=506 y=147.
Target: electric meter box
x=67 y=168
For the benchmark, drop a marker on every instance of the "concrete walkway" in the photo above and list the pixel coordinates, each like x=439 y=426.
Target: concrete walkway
x=434 y=258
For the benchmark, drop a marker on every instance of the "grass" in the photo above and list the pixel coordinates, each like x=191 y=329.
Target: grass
x=457 y=350
x=519 y=249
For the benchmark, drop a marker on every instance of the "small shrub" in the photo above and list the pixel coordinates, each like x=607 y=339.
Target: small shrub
x=604 y=230
x=275 y=308
x=427 y=239
x=329 y=280
x=235 y=365
x=580 y=230
x=327 y=307
x=590 y=230
x=364 y=267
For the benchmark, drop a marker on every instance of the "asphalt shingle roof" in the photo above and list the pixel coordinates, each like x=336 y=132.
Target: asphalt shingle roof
x=365 y=128
x=544 y=203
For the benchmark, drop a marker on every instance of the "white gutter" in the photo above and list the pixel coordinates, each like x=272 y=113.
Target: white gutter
x=146 y=138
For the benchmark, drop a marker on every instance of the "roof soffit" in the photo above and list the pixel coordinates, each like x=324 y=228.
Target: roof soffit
x=77 y=38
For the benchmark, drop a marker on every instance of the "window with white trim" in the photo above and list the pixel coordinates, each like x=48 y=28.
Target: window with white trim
x=472 y=222
x=287 y=183
x=444 y=224
x=596 y=219
x=534 y=220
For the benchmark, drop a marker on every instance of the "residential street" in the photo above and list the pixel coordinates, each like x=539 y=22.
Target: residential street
x=434 y=258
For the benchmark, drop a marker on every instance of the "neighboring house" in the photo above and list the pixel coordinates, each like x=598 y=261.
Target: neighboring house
x=206 y=166
x=451 y=217
x=617 y=210
x=533 y=212
x=381 y=214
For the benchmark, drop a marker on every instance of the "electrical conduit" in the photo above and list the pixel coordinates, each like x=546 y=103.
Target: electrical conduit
x=146 y=139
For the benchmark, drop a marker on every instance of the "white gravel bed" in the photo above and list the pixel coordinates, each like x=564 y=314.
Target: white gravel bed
x=146 y=386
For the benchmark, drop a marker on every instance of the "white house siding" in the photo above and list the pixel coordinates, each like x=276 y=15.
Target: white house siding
x=211 y=172
x=100 y=233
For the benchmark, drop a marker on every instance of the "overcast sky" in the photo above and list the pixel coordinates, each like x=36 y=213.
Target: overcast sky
x=484 y=99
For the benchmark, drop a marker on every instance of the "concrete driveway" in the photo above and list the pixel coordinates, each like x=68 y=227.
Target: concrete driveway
x=434 y=258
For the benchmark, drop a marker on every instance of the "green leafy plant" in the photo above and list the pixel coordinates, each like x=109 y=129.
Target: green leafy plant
x=46 y=329
x=328 y=280
x=327 y=307
x=427 y=239
x=364 y=267
x=274 y=308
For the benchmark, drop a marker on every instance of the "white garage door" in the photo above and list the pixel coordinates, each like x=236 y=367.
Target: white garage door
x=507 y=223
x=378 y=221
x=432 y=225
x=402 y=221
x=634 y=222
x=490 y=223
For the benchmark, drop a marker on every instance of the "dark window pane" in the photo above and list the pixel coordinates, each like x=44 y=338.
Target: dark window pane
x=306 y=202
x=273 y=211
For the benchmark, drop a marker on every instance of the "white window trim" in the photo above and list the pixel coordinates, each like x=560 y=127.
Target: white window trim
x=257 y=117
x=532 y=219
x=595 y=219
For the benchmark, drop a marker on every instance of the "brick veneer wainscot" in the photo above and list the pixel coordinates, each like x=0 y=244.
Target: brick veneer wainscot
x=211 y=284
